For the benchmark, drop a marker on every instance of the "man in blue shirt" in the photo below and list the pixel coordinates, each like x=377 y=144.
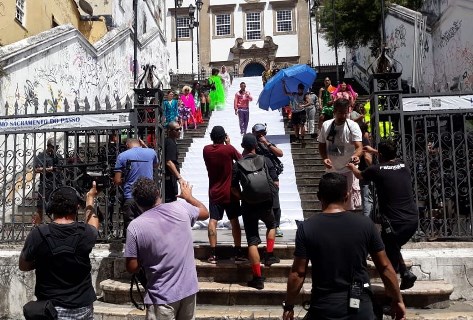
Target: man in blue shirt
x=132 y=164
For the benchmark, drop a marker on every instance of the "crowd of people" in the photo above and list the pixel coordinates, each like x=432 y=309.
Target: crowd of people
x=242 y=184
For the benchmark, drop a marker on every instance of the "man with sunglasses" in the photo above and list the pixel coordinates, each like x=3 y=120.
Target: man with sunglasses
x=171 y=155
x=340 y=143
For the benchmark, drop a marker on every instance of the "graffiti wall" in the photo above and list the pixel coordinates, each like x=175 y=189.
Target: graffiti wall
x=453 y=49
x=440 y=60
x=60 y=64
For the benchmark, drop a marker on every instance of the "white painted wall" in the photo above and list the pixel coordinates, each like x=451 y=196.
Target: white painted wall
x=327 y=54
x=453 y=48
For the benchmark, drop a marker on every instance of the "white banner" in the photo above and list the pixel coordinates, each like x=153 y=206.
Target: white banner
x=437 y=103
x=65 y=122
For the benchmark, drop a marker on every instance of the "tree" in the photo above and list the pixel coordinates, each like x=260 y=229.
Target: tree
x=358 y=22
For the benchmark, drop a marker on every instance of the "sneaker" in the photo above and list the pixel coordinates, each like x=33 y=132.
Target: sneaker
x=279 y=233
x=212 y=260
x=271 y=259
x=407 y=280
x=239 y=259
x=257 y=283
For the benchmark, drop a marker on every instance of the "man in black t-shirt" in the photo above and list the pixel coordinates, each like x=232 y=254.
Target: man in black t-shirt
x=59 y=254
x=337 y=243
x=396 y=204
x=50 y=177
x=171 y=155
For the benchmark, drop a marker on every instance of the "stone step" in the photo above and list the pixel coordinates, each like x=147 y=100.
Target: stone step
x=424 y=294
x=314 y=173
x=106 y=311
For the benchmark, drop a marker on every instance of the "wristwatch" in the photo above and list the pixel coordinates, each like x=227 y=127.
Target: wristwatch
x=287 y=307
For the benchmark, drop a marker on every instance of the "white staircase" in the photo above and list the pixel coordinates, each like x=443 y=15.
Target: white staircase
x=194 y=170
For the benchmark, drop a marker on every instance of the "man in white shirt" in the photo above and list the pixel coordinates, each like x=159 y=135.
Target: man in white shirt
x=340 y=143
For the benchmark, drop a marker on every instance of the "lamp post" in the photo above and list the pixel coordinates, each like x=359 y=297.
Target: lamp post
x=198 y=4
x=336 y=39
x=192 y=24
x=135 y=41
x=177 y=4
x=314 y=12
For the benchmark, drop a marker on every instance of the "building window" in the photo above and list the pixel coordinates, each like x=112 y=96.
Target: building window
x=20 y=11
x=183 y=27
x=284 y=21
x=223 y=24
x=253 y=26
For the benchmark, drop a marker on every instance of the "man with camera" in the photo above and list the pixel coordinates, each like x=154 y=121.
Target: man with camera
x=340 y=143
x=50 y=178
x=219 y=157
x=136 y=162
x=397 y=206
x=337 y=243
x=167 y=261
x=272 y=152
x=59 y=254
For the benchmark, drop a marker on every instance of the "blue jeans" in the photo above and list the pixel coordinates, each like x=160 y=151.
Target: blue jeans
x=366 y=199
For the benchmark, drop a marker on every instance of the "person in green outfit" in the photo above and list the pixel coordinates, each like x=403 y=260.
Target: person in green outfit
x=325 y=102
x=217 y=91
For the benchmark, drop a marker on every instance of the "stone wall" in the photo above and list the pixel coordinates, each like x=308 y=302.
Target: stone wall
x=452 y=262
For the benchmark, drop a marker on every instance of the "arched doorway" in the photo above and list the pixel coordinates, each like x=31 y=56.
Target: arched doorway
x=253 y=69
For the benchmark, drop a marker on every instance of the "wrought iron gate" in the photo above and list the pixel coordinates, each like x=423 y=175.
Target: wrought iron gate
x=437 y=145
x=85 y=143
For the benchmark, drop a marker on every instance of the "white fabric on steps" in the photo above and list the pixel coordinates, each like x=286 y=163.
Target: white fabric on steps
x=193 y=169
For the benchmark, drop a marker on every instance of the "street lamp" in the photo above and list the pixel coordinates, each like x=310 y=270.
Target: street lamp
x=192 y=24
x=177 y=4
x=336 y=39
x=314 y=12
x=198 y=4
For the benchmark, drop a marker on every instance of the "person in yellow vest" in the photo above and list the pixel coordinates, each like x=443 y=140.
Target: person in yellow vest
x=386 y=128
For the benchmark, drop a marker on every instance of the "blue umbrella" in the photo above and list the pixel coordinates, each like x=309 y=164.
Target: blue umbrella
x=273 y=97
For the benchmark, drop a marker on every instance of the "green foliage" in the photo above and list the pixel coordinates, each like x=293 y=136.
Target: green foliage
x=358 y=22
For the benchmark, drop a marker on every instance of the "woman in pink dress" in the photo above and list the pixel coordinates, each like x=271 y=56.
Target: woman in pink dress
x=188 y=100
x=345 y=91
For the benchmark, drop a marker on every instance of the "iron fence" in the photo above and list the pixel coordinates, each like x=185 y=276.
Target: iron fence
x=437 y=146
x=46 y=146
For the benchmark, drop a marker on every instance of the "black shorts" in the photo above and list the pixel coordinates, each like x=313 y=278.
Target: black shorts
x=298 y=117
x=232 y=209
x=251 y=217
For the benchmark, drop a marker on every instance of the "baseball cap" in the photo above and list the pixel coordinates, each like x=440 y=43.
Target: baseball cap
x=259 y=127
x=217 y=133
x=248 y=141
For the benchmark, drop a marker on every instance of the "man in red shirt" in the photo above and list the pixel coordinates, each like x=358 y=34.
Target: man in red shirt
x=241 y=105
x=219 y=158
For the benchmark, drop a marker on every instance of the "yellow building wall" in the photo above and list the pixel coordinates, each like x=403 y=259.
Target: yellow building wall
x=93 y=30
x=39 y=16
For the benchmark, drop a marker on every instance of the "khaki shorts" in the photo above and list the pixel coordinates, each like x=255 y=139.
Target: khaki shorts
x=180 y=310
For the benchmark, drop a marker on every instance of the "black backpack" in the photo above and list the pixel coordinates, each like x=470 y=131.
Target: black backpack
x=255 y=180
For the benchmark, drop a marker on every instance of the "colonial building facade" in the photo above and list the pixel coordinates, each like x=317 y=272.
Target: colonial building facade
x=247 y=36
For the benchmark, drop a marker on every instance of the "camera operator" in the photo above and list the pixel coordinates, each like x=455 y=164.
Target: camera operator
x=59 y=254
x=50 y=177
x=272 y=152
x=136 y=162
